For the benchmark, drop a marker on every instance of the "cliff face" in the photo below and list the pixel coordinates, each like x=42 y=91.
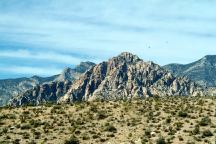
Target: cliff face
x=127 y=76
x=49 y=92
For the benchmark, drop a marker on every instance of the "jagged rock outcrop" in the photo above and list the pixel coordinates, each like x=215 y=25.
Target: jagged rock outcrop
x=125 y=77
x=37 y=89
x=49 y=92
x=202 y=71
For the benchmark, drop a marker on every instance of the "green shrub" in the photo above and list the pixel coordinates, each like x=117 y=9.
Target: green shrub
x=207 y=133
x=72 y=140
x=101 y=115
x=196 y=130
x=161 y=140
x=148 y=132
x=205 y=121
x=182 y=114
x=168 y=120
x=110 y=128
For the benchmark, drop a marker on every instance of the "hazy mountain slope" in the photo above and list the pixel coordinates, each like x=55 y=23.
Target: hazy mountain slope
x=70 y=74
x=51 y=91
x=14 y=87
x=202 y=71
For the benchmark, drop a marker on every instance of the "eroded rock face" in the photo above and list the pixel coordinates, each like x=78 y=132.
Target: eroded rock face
x=125 y=77
x=44 y=93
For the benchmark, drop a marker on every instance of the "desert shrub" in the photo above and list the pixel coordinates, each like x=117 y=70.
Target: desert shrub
x=16 y=141
x=35 y=123
x=85 y=136
x=26 y=135
x=72 y=140
x=207 y=133
x=4 y=130
x=101 y=115
x=168 y=120
x=37 y=134
x=160 y=140
x=25 y=126
x=147 y=132
x=196 y=130
x=95 y=136
x=110 y=128
x=178 y=125
x=93 y=108
x=180 y=138
x=182 y=114
x=7 y=116
x=205 y=121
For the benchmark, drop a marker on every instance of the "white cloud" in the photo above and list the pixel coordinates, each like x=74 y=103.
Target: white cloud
x=44 y=55
x=48 y=71
x=174 y=29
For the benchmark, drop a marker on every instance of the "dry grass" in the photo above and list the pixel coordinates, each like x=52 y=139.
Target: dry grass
x=165 y=120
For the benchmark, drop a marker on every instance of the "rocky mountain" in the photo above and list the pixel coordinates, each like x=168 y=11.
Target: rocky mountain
x=15 y=87
x=202 y=71
x=126 y=77
x=123 y=77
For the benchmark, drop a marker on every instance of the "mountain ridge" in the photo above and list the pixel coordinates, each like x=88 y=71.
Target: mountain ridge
x=202 y=71
x=13 y=87
x=125 y=76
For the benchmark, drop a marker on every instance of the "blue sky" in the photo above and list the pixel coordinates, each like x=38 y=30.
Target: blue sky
x=41 y=37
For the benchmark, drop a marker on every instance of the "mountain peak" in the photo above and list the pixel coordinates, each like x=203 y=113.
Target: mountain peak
x=83 y=66
x=125 y=77
x=70 y=74
x=66 y=70
x=209 y=58
x=126 y=57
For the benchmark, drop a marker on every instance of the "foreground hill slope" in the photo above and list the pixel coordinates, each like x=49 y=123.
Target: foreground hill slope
x=127 y=76
x=202 y=71
x=167 y=120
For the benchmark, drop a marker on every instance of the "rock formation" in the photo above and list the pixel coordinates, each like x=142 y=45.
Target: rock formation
x=126 y=77
x=36 y=89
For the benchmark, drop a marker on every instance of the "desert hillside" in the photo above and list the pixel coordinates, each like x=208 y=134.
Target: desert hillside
x=174 y=120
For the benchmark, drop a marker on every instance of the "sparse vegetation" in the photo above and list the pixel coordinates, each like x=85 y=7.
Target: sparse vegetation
x=159 y=120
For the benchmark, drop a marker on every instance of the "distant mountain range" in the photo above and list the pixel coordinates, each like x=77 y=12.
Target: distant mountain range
x=13 y=87
x=202 y=71
x=120 y=78
x=123 y=77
